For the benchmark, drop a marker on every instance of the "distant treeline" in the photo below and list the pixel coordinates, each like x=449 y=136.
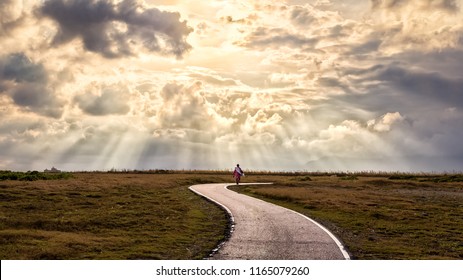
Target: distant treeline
x=32 y=175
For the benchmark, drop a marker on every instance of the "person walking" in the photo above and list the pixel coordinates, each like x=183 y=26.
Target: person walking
x=237 y=174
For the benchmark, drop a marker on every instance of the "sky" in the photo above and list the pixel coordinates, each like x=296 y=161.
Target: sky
x=295 y=85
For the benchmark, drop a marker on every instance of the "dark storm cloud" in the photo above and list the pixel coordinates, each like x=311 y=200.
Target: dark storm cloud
x=394 y=86
x=115 y=30
x=37 y=98
x=446 y=5
x=27 y=84
x=109 y=102
x=430 y=85
x=448 y=62
x=427 y=90
x=18 y=67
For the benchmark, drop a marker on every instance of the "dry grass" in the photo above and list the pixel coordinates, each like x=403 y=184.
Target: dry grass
x=136 y=215
x=108 y=216
x=379 y=218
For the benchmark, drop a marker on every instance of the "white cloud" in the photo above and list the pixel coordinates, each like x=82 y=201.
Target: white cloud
x=10 y=12
x=385 y=122
x=267 y=83
x=261 y=122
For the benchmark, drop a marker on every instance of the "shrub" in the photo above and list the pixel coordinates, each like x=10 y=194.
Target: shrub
x=32 y=175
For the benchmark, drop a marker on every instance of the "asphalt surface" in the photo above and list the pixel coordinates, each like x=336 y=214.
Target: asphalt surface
x=264 y=231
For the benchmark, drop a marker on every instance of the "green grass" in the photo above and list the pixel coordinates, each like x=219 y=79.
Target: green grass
x=32 y=175
x=379 y=218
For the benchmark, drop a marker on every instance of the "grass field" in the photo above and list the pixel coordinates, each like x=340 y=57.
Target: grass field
x=154 y=216
x=108 y=216
x=394 y=217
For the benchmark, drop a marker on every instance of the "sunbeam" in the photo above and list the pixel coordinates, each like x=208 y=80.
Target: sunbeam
x=274 y=85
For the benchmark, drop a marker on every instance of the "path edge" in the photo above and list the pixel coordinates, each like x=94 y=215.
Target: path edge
x=230 y=218
x=341 y=246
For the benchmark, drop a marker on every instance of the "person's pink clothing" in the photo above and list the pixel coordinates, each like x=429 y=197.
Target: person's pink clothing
x=238 y=173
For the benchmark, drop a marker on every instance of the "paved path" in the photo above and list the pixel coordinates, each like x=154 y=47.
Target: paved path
x=266 y=231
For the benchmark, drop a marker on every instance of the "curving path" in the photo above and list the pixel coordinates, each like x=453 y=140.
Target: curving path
x=262 y=230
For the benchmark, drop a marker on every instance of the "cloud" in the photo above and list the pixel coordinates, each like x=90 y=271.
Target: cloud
x=118 y=30
x=368 y=47
x=445 y=5
x=303 y=16
x=111 y=100
x=264 y=37
x=427 y=85
x=11 y=14
x=21 y=130
x=345 y=83
x=247 y=20
x=26 y=83
x=424 y=88
x=261 y=122
x=384 y=124
x=191 y=113
x=387 y=3
x=19 y=68
x=37 y=98
x=410 y=82
x=215 y=80
x=446 y=61
x=185 y=107
x=338 y=140
x=336 y=83
x=308 y=16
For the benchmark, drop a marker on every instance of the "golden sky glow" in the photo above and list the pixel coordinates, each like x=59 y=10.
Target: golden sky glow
x=273 y=85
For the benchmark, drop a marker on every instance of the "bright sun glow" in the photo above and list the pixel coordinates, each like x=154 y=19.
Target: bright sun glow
x=272 y=85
